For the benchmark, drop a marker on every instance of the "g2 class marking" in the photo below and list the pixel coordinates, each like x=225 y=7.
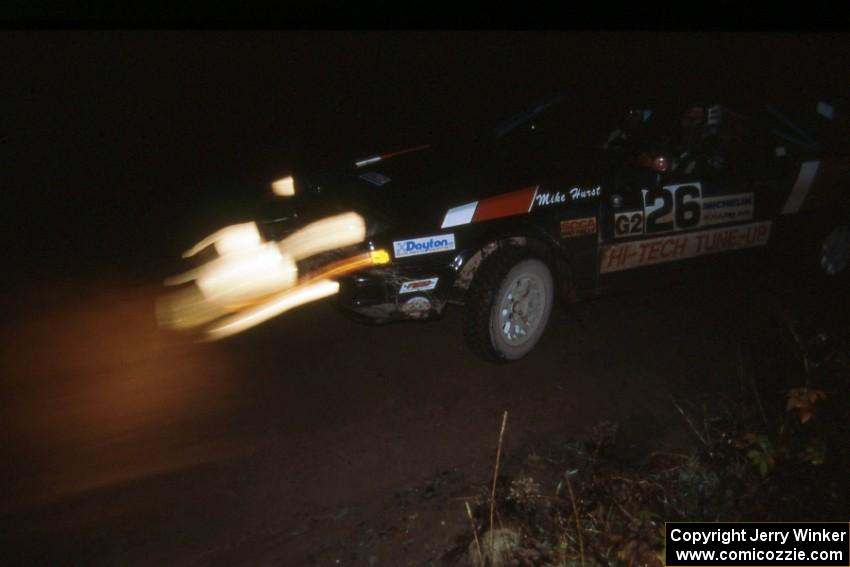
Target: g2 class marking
x=629 y=223
x=424 y=245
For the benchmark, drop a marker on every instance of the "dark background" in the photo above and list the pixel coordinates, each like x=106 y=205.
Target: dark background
x=292 y=443
x=123 y=147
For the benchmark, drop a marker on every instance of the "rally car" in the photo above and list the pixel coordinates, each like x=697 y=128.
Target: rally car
x=551 y=203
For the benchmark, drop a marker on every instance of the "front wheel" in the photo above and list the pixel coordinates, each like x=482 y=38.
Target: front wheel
x=508 y=306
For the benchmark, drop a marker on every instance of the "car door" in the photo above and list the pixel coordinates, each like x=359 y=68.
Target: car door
x=677 y=202
x=558 y=159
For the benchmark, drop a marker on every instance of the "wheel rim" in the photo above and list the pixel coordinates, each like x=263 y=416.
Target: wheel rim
x=521 y=308
x=835 y=252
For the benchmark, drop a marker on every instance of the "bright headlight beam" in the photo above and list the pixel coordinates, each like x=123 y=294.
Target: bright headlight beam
x=253 y=280
x=238 y=238
x=229 y=239
x=284 y=187
x=240 y=277
x=285 y=301
x=325 y=234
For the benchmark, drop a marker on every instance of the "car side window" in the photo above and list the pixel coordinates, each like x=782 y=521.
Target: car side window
x=743 y=144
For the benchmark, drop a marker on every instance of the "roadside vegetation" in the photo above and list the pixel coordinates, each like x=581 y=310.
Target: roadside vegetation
x=775 y=450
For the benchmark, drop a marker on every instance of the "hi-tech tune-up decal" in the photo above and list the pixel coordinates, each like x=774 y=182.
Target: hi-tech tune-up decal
x=424 y=245
x=578 y=227
x=681 y=207
x=807 y=174
x=418 y=285
x=634 y=254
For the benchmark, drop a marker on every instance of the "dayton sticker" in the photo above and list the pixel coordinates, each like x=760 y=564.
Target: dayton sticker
x=424 y=245
x=418 y=285
x=634 y=254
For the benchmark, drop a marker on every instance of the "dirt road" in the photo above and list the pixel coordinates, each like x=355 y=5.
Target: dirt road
x=122 y=444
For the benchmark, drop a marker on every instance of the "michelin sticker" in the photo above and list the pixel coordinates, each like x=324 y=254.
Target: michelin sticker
x=424 y=245
x=727 y=208
x=418 y=285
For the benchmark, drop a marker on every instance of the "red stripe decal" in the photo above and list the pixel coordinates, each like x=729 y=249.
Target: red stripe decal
x=504 y=205
x=405 y=151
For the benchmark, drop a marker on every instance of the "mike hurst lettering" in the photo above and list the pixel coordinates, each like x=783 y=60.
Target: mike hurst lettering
x=780 y=536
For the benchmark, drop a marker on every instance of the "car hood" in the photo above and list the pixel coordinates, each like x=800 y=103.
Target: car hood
x=413 y=186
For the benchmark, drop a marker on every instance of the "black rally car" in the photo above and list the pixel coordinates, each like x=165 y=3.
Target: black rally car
x=554 y=202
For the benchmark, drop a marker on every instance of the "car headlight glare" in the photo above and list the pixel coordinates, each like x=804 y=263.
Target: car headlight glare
x=284 y=187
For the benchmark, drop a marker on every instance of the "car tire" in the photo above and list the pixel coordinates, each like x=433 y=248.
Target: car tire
x=497 y=325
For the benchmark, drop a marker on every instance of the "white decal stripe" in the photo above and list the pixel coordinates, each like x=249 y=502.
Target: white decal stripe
x=457 y=216
x=533 y=197
x=801 y=188
x=367 y=161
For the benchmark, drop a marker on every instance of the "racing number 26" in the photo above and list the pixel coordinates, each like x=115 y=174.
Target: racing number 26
x=675 y=207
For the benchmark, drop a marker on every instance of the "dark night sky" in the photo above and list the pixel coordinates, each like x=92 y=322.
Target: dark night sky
x=123 y=147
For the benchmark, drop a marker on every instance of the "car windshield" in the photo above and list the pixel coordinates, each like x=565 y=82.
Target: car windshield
x=526 y=115
x=572 y=121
